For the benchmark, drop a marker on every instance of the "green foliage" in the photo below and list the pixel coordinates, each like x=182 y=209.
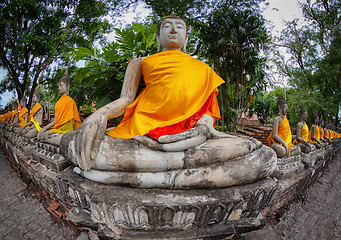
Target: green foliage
x=232 y=41
x=34 y=34
x=104 y=70
x=314 y=69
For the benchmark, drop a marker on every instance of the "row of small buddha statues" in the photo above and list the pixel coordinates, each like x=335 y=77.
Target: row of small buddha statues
x=280 y=138
x=29 y=124
x=166 y=138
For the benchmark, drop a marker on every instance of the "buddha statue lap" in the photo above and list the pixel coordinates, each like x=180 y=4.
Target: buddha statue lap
x=301 y=138
x=66 y=115
x=280 y=138
x=166 y=138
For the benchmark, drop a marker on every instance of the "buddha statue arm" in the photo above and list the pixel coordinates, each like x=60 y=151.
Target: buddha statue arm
x=313 y=134
x=182 y=141
x=92 y=131
x=46 y=128
x=276 y=122
x=298 y=134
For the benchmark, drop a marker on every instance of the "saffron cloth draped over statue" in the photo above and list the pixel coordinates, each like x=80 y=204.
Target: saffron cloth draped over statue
x=22 y=113
x=304 y=134
x=284 y=133
x=66 y=115
x=179 y=90
x=34 y=110
x=316 y=135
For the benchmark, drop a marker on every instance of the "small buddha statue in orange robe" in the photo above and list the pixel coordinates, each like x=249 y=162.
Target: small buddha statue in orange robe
x=302 y=132
x=314 y=133
x=154 y=144
x=66 y=115
x=32 y=128
x=22 y=115
x=322 y=136
x=280 y=138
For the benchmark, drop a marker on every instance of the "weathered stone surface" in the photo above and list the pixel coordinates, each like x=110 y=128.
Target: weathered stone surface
x=287 y=167
x=50 y=156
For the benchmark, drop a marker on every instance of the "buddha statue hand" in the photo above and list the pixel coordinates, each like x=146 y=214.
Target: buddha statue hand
x=177 y=142
x=88 y=138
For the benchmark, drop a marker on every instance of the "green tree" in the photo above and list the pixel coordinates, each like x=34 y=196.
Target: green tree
x=233 y=39
x=104 y=70
x=34 y=34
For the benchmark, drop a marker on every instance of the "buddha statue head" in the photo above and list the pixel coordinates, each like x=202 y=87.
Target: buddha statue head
x=303 y=113
x=23 y=101
x=36 y=96
x=15 y=105
x=282 y=105
x=316 y=119
x=172 y=33
x=64 y=84
x=321 y=122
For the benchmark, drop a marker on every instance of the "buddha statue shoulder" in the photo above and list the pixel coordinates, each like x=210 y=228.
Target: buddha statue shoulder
x=66 y=115
x=280 y=138
x=166 y=138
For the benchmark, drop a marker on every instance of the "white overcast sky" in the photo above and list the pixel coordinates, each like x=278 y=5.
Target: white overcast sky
x=276 y=13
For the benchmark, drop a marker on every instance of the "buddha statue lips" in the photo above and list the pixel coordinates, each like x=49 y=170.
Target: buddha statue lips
x=166 y=138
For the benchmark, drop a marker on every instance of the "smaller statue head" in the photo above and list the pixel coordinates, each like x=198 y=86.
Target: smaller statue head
x=316 y=118
x=303 y=113
x=15 y=105
x=64 y=83
x=36 y=95
x=321 y=122
x=282 y=105
x=23 y=101
x=172 y=33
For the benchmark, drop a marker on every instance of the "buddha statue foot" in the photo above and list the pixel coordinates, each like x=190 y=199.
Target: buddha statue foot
x=50 y=156
x=216 y=163
x=287 y=167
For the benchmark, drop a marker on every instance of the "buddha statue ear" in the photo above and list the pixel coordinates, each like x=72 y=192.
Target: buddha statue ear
x=185 y=44
x=158 y=43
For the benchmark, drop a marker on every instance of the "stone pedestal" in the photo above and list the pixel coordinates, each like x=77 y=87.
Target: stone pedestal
x=130 y=213
x=287 y=167
x=50 y=156
x=309 y=159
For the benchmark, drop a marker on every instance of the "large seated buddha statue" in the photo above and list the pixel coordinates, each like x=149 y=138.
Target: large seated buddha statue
x=302 y=132
x=322 y=134
x=314 y=133
x=32 y=128
x=166 y=138
x=280 y=138
x=66 y=115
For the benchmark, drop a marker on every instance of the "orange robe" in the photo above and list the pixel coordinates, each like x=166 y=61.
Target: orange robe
x=178 y=87
x=12 y=116
x=304 y=134
x=66 y=110
x=33 y=111
x=22 y=113
x=321 y=133
x=284 y=133
x=316 y=135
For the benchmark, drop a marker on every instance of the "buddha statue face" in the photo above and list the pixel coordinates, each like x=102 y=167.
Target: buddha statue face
x=23 y=101
x=62 y=88
x=303 y=114
x=172 y=33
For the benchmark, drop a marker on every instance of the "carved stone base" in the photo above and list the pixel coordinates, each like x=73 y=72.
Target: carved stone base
x=50 y=156
x=309 y=159
x=131 y=213
x=287 y=167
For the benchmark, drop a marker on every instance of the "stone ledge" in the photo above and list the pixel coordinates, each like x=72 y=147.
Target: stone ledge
x=128 y=213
